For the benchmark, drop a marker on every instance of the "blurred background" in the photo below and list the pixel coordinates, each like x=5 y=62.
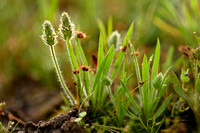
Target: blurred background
x=26 y=70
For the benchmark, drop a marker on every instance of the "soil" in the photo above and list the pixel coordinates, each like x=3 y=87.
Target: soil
x=28 y=103
x=62 y=123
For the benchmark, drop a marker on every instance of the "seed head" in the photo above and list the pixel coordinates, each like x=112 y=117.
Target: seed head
x=114 y=38
x=157 y=81
x=66 y=28
x=49 y=36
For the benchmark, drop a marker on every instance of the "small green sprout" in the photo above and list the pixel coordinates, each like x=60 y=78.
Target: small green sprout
x=80 y=118
x=5 y=130
x=184 y=76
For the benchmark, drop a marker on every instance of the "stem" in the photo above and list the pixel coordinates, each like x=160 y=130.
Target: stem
x=74 y=66
x=65 y=89
x=195 y=70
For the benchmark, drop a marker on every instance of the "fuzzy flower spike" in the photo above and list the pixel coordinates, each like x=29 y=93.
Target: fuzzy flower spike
x=66 y=28
x=49 y=36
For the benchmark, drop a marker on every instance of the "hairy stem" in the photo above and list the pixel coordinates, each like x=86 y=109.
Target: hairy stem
x=65 y=89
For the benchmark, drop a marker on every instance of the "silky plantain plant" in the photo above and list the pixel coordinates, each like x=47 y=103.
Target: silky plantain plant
x=91 y=88
x=94 y=88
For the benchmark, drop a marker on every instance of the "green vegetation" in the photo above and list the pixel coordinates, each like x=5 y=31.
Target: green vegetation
x=103 y=57
x=92 y=89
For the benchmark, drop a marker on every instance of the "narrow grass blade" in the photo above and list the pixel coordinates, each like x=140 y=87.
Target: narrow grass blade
x=110 y=25
x=123 y=91
x=64 y=99
x=108 y=62
x=100 y=51
x=150 y=61
x=85 y=73
x=156 y=61
x=105 y=75
x=74 y=66
x=136 y=64
x=102 y=29
x=197 y=84
x=132 y=115
x=162 y=107
x=160 y=124
x=168 y=61
x=145 y=88
x=155 y=68
x=121 y=54
x=78 y=59
x=117 y=65
x=53 y=8
x=136 y=107
x=80 y=49
x=164 y=86
x=177 y=87
x=102 y=66
x=128 y=35
x=154 y=105
x=99 y=72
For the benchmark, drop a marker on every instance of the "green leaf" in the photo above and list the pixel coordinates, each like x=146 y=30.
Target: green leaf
x=150 y=60
x=136 y=64
x=110 y=26
x=132 y=115
x=197 y=84
x=168 y=61
x=109 y=61
x=64 y=99
x=155 y=68
x=85 y=73
x=156 y=61
x=100 y=51
x=104 y=65
x=105 y=75
x=99 y=72
x=78 y=120
x=74 y=66
x=82 y=114
x=128 y=35
x=154 y=104
x=121 y=54
x=184 y=78
x=145 y=87
x=164 y=86
x=136 y=107
x=162 y=107
x=81 y=52
x=102 y=30
x=177 y=87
